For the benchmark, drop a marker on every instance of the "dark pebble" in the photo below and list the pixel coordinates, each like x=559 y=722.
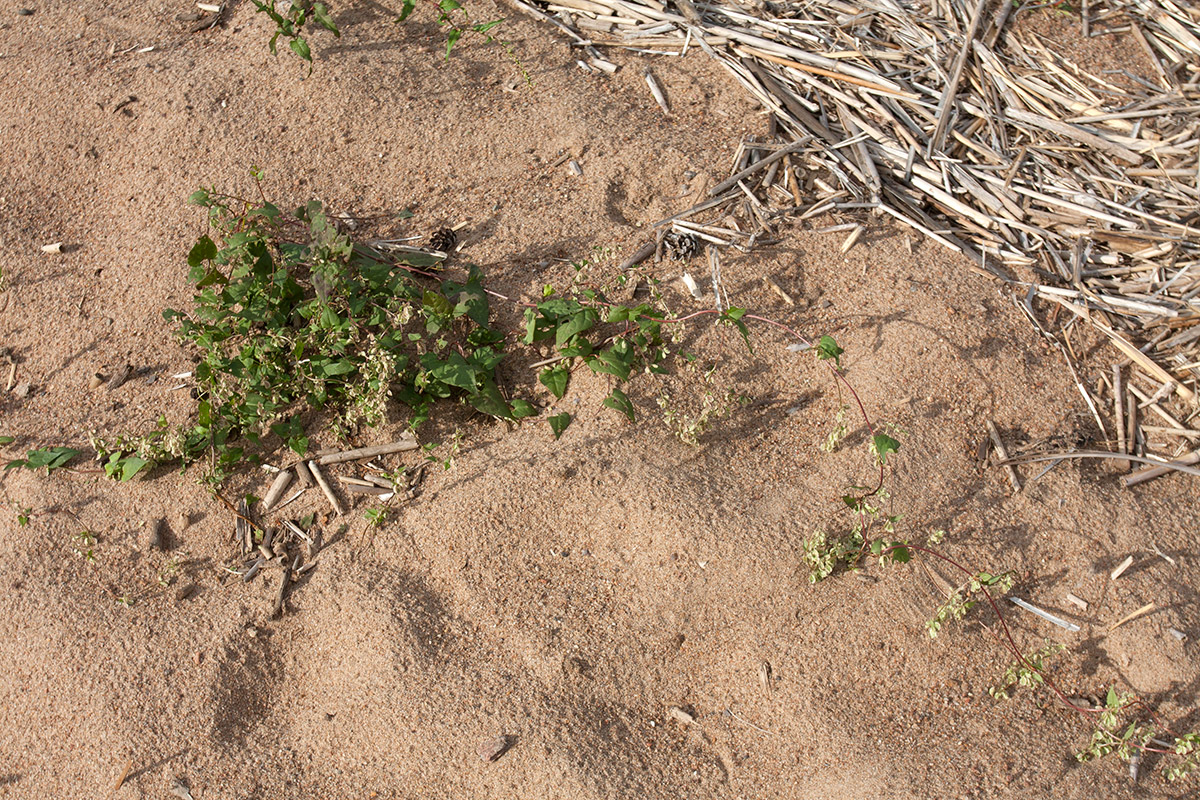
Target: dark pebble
x=25 y=12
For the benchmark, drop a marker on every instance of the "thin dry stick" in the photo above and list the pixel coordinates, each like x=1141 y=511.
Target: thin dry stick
x=938 y=140
x=1178 y=466
x=284 y=579
x=1001 y=451
x=366 y=452
x=1150 y=473
x=737 y=177
x=325 y=488
x=1141 y=612
x=1119 y=410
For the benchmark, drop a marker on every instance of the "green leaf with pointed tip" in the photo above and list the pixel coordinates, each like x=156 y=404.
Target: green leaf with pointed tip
x=51 y=458
x=132 y=466
x=300 y=47
x=457 y=372
x=406 y=8
x=559 y=423
x=828 y=350
x=523 y=408
x=212 y=277
x=491 y=402
x=618 y=401
x=734 y=317
x=321 y=14
x=436 y=305
x=203 y=250
x=578 y=322
x=555 y=379
x=883 y=444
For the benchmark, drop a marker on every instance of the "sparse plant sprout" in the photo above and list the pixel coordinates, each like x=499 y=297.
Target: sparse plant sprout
x=839 y=432
x=689 y=422
x=168 y=572
x=1188 y=748
x=822 y=555
x=446 y=460
x=23 y=514
x=85 y=544
x=376 y=517
x=1107 y=738
x=1027 y=671
x=960 y=603
x=290 y=24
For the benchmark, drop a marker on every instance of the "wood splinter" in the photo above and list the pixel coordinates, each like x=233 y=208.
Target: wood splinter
x=1001 y=451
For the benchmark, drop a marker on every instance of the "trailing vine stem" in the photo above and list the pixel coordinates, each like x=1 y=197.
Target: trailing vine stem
x=1011 y=644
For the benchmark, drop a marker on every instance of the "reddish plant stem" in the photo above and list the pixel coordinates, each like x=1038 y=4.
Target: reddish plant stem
x=1011 y=644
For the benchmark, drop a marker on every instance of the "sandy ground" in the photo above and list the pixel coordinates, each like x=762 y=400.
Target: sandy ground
x=563 y=594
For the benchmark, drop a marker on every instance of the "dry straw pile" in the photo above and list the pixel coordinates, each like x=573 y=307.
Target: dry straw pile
x=942 y=115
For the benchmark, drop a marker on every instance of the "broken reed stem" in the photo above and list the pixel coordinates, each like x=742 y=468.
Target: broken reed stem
x=278 y=486
x=365 y=452
x=325 y=488
x=1001 y=451
x=1119 y=411
x=996 y=147
x=737 y=177
x=1150 y=473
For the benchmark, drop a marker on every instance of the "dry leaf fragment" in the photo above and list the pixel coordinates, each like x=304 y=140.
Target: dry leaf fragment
x=492 y=749
x=681 y=716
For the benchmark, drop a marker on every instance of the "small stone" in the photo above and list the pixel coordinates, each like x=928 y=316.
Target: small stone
x=24 y=12
x=96 y=381
x=492 y=749
x=57 y=246
x=185 y=592
x=22 y=390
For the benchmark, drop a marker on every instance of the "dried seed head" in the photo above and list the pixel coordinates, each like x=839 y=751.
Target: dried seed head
x=443 y=240
x=681 y=246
